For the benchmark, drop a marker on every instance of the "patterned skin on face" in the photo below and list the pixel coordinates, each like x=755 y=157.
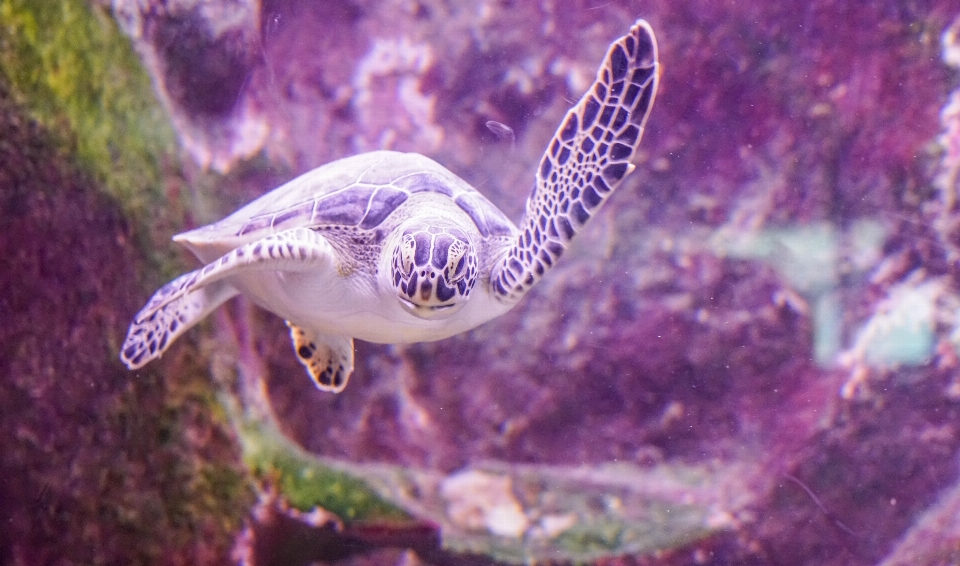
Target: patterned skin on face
x=434 y=270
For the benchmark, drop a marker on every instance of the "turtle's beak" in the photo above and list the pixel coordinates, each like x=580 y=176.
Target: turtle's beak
x=430 y=312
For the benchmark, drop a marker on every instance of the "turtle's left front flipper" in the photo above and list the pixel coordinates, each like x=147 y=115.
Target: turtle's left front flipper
x=150 y=336
x=585 y=161
x=183 y=302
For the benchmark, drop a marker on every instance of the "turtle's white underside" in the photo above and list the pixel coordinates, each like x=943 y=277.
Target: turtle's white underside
x=352 y=306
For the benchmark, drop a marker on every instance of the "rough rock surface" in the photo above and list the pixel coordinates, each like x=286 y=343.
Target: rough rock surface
x=95 y=467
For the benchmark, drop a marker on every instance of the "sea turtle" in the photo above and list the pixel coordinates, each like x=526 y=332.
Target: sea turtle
x=392 y=247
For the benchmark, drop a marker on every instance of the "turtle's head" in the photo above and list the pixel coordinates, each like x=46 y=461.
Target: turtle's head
x=434 y=268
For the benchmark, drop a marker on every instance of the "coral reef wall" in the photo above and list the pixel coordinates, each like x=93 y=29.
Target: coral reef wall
x=772 y=296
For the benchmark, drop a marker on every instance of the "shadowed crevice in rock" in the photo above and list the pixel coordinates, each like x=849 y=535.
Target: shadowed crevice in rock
x=204 y=73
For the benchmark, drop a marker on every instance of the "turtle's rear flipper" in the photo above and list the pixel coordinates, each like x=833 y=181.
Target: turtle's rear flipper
x=149 y=336
x=328 y=359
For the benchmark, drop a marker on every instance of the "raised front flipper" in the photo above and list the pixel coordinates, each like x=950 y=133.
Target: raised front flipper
x=180 y=304
x=328 y=359
x=585 y=162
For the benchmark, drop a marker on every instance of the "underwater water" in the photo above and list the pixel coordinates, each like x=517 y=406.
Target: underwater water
x=750 y=355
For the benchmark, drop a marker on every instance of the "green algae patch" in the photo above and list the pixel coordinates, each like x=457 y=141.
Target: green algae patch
x=307 y=482
x=105 y=466
x=77 y=74
x=79 y=87
x=196 y=481
x=213 y=485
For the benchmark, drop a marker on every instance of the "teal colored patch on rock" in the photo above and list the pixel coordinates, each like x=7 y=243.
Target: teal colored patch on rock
x=903 y=333
x=808 y=257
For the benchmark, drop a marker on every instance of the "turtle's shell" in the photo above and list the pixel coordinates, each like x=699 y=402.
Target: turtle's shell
x=360 y=191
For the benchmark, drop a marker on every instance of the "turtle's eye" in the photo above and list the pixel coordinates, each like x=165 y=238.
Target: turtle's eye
x=456 y=268
x=408 y=254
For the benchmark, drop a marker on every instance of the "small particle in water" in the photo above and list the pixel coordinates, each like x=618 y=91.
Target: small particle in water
x=502 y=131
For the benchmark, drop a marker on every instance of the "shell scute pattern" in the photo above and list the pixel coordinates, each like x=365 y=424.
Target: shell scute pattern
x=586 y=161
x=367 y=206
x=488 y=219
x=358 y=204
x=424 y=183
x=343 y=208
x=384 y=202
